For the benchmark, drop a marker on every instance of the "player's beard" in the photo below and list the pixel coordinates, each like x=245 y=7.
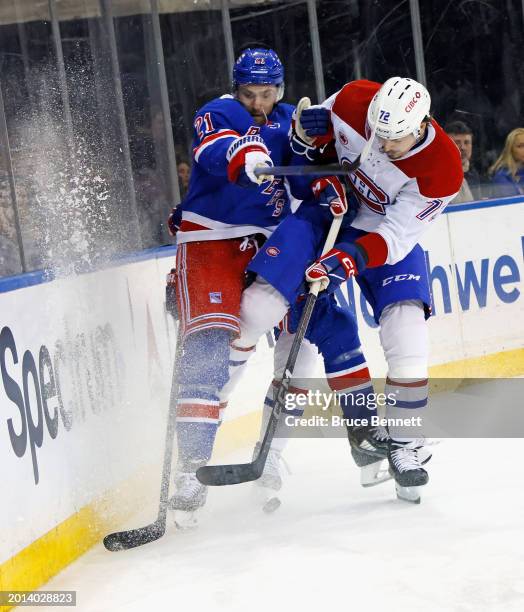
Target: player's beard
x=259 y=118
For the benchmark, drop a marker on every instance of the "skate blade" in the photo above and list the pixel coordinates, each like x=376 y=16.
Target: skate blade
x=372 y=474
x=185 y=521
x=408 y=494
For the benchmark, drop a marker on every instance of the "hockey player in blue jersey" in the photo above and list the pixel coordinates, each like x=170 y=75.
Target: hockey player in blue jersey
x=226 y=214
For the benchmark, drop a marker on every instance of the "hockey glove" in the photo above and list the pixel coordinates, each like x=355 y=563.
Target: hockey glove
x=337 y=266
x=315 y=122
x=329 y=191
x=244 y=155
x=174 y=221
x=300 y=143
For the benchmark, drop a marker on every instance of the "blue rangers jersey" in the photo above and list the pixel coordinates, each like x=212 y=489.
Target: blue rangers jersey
x=215 y=208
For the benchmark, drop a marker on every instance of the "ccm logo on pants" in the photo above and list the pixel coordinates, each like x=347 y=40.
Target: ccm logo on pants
x=400 y=277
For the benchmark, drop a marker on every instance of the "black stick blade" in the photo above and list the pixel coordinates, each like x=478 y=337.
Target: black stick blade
x=221 y=475
x=123 y=540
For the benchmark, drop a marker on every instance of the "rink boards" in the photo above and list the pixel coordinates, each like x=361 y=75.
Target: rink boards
x=86 y=367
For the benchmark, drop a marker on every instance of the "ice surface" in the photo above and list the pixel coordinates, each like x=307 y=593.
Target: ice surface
x=332 y=544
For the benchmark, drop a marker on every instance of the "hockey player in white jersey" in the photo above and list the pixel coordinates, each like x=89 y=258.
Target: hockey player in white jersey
x=411 y=173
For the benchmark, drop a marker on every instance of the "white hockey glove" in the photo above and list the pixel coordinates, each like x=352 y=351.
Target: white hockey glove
x=244 y=155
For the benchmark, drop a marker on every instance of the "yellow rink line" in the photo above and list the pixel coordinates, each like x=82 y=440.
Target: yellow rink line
x=36 y=564
x=505 y=364
x=40 y=561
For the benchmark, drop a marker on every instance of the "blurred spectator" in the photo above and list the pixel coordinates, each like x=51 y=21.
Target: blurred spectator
x=184 y=173
x=148 y=153
x=462 y=135
x=152 y=204
x=158 y=126
x=508 y=170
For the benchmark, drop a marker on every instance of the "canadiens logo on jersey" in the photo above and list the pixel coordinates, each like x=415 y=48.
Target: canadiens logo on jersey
x=368 y=193
x=273 y=251
x=343 y=138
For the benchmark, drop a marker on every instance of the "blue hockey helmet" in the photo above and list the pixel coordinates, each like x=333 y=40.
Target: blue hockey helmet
x=257 y=66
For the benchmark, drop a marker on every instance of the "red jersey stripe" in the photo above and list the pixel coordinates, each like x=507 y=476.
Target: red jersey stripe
x=198 y=411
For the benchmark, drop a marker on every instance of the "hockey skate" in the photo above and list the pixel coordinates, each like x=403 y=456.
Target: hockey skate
x=369 y=448
x=268 y=485
x=190 y=495
x=405 y=465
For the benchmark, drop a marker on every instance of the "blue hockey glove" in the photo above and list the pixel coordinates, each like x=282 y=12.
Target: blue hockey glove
x=329 y=191
x=316 y=121
x=300 y=143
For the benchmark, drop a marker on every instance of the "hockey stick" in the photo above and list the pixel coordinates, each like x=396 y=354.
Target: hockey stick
x=342 y=169
x=219 y=475
x=123 y=540
x=327 y=170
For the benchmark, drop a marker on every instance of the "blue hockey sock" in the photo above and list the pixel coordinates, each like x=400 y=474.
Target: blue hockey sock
x=203 y=372
x=348 y=375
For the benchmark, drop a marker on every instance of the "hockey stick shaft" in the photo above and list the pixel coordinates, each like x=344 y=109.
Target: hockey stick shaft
x=303 y=324
x=327 y=170
x=219 y=475
x=344 y=169
x=123 y=540
x=170 y=435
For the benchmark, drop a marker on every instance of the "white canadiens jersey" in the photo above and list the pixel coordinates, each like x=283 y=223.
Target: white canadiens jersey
x=398 y=199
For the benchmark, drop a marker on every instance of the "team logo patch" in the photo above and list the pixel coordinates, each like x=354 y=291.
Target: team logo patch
x=343 y=138
x=273 y=251
x=215 y=297
x=368 y=192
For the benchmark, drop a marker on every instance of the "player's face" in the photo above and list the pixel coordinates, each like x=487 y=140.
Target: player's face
x=395 y=149
x=518 y=149
x=258 y=100
x=464 y=143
